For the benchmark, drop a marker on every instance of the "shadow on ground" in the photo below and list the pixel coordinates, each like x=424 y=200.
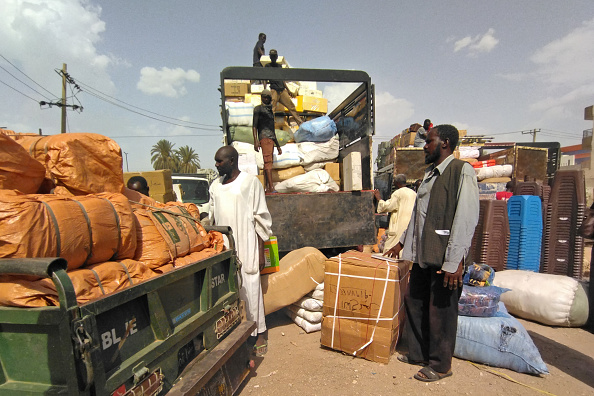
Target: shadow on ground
x=570 y=361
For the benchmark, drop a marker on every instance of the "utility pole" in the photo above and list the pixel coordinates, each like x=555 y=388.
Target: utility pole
x=126 y=154
x=533 y=133
x=63 y=129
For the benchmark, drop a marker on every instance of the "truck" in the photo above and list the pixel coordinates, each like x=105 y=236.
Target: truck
x=181 y=333
x=329 y=220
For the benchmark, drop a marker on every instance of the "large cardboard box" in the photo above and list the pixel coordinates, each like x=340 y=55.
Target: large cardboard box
x=279 y=175
x=312 y=103
x=363 y=305
x=281 y=108
x=159 y=181
x=237 y=88
x=256 y=99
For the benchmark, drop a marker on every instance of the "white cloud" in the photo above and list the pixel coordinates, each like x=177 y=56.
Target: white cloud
x=568 y=60
x=564 y=70
x=167 y=82
x=39 y=35
x=477 y=44
x=391 y=114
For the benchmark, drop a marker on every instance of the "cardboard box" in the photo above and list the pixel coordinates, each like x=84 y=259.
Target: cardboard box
x=407 y=139
x=352 y=172
x=313 y=104
x=265 y=59
x=271 y=256
x=257 y=88
x=363 y=305
x=256 y=99
x=159 y=181
x=163 y=198
x=279 y=175
x=236 y=88
x=334 y=170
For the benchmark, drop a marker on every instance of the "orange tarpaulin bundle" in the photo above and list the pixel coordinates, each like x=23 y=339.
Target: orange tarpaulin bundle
x=215 y=245
x=89 y=283
x=85 y=230
x=18 y=171
x=167 y=232
x=84 y=163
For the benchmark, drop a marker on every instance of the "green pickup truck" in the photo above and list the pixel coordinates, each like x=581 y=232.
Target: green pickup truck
x=181 y=333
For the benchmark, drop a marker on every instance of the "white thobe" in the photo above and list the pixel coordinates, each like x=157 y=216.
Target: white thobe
x=401 y=205
x=241 y=205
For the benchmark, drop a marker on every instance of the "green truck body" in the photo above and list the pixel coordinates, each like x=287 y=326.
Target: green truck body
x=172 y=333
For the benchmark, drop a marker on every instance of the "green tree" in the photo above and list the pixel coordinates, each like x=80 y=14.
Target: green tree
x=163 y=156
x=189 y=162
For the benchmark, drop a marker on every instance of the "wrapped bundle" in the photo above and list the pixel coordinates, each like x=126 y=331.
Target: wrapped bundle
x=18 y=171
x=84 y=163
x=90 y=230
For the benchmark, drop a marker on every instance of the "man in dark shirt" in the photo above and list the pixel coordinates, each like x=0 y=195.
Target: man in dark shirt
x=259 y=49
x=280 y=91
x=265 y=136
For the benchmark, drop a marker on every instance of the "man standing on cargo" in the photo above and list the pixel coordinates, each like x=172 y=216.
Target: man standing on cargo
x=259 y=50
x=400 y=206
x=437 y=241
x=280 y=91
x=421 y=134
x=237 y=200
x=265 y=136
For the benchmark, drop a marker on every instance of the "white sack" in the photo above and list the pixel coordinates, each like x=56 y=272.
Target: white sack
x=291 y=156
x=304 y=324
x=317 y=294
x=317 y=180
x=319 y=152
x=554 y=300
x=468 y=152
x=311 y=304
x=316 y=165
x=310 y=316
x=240 y=113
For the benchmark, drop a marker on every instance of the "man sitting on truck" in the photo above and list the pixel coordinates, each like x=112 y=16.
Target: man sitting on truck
x=265 y=136
x=280 y=91
x=237 y=200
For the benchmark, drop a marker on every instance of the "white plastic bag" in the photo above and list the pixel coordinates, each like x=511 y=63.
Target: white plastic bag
x=311 y=304
x=319 y=152
x=291 y=156
x=240 y=113
x=310 y=316
x=317 y=180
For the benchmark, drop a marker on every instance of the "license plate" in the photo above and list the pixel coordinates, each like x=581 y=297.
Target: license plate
x=227 y=321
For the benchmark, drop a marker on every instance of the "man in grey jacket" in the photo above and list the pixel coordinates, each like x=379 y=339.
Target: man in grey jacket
x=437 y=241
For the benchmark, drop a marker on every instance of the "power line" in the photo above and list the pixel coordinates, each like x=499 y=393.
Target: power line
x=34 y=100
x=20 y=71
x=148 y=116
x=163 y=136
x=140 y=108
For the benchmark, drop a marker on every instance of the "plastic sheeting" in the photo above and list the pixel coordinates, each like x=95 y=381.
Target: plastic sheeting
x=18 y=171
x=84 y=163
x=85 y=230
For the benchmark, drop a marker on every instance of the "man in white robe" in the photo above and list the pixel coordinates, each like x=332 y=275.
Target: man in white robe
x=237 y=200
x=400 y=205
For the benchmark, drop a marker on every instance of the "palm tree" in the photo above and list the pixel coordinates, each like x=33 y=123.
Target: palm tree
x=163 y=156
x=188 y=160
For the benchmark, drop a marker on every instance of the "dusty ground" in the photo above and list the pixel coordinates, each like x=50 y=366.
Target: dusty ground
x=296 y=364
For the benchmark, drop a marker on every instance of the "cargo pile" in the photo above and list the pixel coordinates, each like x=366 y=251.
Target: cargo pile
x=308 y=162
x=112 y=237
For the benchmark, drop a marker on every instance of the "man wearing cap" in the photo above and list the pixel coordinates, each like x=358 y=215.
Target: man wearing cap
x=265 y=136
x=280 y=91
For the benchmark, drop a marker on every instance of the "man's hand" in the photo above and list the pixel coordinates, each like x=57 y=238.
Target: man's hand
x=376 y=194
x=453 y=280
x=256 y=145
x=394 y=251
x=280 y=151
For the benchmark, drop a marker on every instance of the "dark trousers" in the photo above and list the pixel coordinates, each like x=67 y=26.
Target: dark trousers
x=431 y=318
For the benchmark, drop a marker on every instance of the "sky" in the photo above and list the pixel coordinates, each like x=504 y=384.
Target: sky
x=150 y=69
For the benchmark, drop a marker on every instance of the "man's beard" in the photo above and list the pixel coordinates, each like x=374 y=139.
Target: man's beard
x=434 y=156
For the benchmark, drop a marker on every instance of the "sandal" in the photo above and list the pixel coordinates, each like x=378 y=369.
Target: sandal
x=261 y=350
x=427 y=374
x=407 y=360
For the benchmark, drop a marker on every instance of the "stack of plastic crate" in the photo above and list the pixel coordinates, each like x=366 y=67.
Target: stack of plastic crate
x=525 y=232
x=563 y=246
x=491 y=236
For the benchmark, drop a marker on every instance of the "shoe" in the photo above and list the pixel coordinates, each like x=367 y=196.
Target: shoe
x=405 y=359
x=427 y=374
x=261 y=350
